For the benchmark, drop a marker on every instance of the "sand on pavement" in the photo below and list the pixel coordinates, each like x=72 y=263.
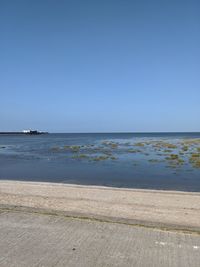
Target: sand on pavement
x=167 y=209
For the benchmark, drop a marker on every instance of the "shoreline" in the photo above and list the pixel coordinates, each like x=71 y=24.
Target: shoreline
x=172 y=210
x=102 y=187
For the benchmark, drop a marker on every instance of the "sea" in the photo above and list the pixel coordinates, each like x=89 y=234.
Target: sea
x=126 y=160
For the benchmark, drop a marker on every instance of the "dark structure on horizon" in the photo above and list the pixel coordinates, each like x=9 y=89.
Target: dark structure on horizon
x=26 y=132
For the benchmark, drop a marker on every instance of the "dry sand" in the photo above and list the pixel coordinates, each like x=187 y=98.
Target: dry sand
x=163 y=209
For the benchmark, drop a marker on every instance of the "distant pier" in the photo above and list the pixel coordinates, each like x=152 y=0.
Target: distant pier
x=28 y=132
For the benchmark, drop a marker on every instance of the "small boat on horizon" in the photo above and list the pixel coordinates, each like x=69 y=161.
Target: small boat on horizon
x=33 y=132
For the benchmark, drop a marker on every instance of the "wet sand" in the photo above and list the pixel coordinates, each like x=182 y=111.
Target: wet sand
x=161 y=209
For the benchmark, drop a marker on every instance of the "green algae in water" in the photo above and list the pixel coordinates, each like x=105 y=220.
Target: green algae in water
x=113 y=158
x=195 y=155
x=167 y=151
x=173 y=157
x=161 y=144
x=174 y=160
x=66 y=147
x=195 y=160
x=80 y=156
x=191 y=141
x=139 y=144
x=133 y=150
x=100 y=158
x=75 y=148
x=197 y=164
x=110 y=144
x=114 y=145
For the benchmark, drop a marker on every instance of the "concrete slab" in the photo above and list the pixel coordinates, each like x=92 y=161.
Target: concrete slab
x=45 y=240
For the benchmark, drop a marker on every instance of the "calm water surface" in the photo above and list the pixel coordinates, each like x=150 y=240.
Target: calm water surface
x=121 y=160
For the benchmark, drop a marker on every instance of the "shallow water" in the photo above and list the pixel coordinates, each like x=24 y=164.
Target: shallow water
x=121 y=160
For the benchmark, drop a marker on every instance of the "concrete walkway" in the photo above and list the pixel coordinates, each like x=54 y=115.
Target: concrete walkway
x=44 y=224
x=33 y=240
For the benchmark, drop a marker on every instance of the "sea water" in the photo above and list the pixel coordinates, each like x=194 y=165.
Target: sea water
x=132 y=160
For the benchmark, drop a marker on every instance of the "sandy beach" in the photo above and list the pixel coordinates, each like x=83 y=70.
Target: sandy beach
x=161 y=209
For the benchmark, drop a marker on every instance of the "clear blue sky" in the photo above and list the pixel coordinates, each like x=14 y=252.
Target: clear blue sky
x=100 y=65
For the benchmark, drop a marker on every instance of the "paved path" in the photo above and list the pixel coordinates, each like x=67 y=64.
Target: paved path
x=33 y=240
